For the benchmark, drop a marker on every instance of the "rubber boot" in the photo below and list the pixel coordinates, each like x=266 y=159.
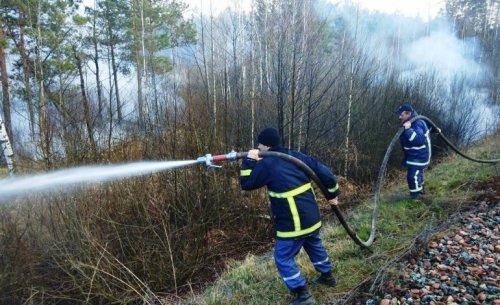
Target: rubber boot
x=303 y=297
x=326 y=279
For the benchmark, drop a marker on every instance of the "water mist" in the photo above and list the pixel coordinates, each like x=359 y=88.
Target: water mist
x=65 y=179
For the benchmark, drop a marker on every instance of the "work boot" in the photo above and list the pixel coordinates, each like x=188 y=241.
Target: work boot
x=303 y=297
x=416 y=196
x=326 y=279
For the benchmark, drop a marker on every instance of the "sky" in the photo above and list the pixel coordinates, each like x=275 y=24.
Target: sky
x=411 y=8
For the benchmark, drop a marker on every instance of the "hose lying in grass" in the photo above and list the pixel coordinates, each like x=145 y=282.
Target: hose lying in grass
x=383 y=167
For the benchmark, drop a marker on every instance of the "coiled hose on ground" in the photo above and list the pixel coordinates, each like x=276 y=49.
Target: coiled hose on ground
x=365 y=244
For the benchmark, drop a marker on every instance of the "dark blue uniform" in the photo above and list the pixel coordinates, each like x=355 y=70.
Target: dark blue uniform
x=416 y=145
x=295 y=212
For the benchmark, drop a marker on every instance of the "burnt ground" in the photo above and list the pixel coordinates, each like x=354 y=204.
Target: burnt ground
x=459 y=265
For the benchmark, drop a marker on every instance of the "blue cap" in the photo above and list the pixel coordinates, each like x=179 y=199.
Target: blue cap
x=269 y=137
x=404 y=107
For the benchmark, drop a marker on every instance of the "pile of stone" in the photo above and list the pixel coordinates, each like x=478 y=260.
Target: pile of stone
x=460 y=268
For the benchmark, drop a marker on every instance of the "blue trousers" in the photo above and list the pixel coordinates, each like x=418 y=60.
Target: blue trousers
x=415 y=179
x=285 y=251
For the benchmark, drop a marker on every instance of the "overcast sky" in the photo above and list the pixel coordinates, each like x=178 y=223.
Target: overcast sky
x=422 y=8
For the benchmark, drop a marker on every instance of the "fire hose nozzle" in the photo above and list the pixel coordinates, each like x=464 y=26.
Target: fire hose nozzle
x=208 y=159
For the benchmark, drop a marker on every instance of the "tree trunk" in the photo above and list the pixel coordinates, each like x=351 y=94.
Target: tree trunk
x=212 y=51
x=96 y=63
x=139 y=64
x=43 y=108
x=86 y=107
x=351 y=93
x=205 y=69
x=5 y=86
x=67 y=142
x=115 y=80
x=26 y=75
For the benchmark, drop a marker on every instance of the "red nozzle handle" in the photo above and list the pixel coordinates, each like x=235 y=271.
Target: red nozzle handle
x=219 y=158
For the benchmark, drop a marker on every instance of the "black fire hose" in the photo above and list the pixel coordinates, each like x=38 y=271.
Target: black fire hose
x=383 y=167
x=364 y=244
x=453 y=147
x=318 y=182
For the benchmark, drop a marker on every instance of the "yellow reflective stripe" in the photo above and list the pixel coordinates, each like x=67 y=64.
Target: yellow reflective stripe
x=417 y=163
x=415 y=147
x=428 y=138
x=295 y=213
x=298 y=233
x=292 y=193
x=334 y=189
x=413 y=135
x=245 y=172
x=417 y=188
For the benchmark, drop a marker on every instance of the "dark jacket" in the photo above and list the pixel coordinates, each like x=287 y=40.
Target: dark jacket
x=416 y=144
x=293 y=203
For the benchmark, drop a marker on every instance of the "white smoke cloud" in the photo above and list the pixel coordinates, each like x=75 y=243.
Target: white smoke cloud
x=442 y=52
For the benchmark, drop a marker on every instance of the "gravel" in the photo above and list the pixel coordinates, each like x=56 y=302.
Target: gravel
x=460 y=268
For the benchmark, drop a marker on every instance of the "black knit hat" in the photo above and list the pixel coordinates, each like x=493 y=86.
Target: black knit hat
x=269 y=137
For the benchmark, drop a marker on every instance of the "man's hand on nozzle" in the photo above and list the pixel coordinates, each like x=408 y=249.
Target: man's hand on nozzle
x=253 y=154
x=334 y=201
x=407 y=125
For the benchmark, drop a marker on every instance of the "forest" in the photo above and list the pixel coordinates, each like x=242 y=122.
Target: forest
x=127 y=80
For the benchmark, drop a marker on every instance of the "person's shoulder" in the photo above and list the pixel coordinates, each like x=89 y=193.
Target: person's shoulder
x=298 y=154
x=421 y=123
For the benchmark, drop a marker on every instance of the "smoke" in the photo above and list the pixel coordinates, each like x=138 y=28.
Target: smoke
x=413 y=48
x=442 y=52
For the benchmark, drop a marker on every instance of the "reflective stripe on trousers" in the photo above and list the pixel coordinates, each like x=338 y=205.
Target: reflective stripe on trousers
x=415 y=179
x=284 y=255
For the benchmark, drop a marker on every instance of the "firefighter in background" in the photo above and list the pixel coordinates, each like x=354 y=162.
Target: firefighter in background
x=295 y=212
x=416 y=143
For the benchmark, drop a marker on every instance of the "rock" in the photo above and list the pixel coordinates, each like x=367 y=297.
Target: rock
x=482 y=296
x=442 y=267
x=490 y=260
x=385 y=302
x=461 y=267
x=476 y=270
x=415 y=292
x=371 y=302
x=497 y=248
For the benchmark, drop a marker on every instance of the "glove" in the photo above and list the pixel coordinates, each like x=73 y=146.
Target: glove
x=254 y=154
